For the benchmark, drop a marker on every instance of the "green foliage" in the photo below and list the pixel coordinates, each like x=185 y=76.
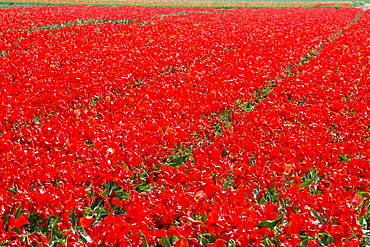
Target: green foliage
x=174 y=14
x=325 y=239
x=311 y=178
x=271 y=196
x=168 y=241
x=245 y=106
x=344 y=157
x=310 y=55
x=365 y=223
x=178 y=161
x=47 y=227
x=223 y=120
x=271 y=223
x=206 y=238
x=317 y=215
x=79 y=22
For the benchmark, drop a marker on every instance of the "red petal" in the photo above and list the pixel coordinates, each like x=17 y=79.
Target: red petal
x=86 y=222
x=182 y=243
x=21 y=221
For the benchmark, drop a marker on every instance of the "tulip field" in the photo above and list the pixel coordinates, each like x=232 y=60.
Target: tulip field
x=221 y=4
x=185 y=127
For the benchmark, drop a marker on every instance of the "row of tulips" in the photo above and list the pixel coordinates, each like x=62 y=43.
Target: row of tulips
x=193 y=3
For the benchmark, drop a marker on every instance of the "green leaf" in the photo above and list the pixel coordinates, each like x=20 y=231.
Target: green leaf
x=271 y=196
x=266 y=242
x=271 y=223
x=204 y=217
x=316 y=215
x=145 y=243
x=178 y=161
x=344 y=158
x=326 y=239
x=18 y=211
x=84 y=237
x=166 y=242
x=143 y=187
x=224 y=153
x=363 y=192
x=307 y=182
x=231 y=243
x=203 y=241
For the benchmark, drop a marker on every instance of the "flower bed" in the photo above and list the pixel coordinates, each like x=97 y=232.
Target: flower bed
x=137 y=126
